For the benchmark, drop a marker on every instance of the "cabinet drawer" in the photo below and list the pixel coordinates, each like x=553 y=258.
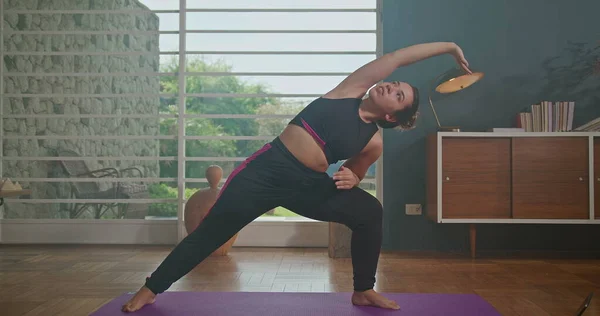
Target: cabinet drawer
x=550 y=177
x=476 y=177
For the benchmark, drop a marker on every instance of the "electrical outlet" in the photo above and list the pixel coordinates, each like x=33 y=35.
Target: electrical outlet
x=413 y=209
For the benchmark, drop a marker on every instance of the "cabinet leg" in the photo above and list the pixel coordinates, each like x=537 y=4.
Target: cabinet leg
x=473 y=239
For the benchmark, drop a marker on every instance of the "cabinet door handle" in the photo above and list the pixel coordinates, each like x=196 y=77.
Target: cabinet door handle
x=448 y=179
x=580 y=179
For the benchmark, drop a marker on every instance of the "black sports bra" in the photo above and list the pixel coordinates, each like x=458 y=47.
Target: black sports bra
x=336 y=126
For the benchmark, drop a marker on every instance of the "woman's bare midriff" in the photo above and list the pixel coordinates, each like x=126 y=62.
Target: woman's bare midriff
x=304 y=147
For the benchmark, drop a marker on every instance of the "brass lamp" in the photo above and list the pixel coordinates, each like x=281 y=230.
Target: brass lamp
x=449 y=82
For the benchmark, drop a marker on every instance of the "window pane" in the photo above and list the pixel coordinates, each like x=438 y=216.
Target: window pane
x=160 y=4
x=288 y=4
x=169 y=42
x=254 y=105
x=280 y=42
x=30 y=133
x=369 y=187
x=136 y=209
x=89 y=21
x=91 y=5
x=21 y=132
x=280 y=21
x=263 y=84
x=168 y=21
x=93 y=84
x=197 y=169
x=277 y=63
x=169 y=85
x=236 y=127
x=227 y=149
x=169 y=63
x=14 y=63
x=61 y=104
x=88 y=43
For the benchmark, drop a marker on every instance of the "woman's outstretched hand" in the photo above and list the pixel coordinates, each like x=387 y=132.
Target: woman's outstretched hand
x=460 y=58
x=345 y=178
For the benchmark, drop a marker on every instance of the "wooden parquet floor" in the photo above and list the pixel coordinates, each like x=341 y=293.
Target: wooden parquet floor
x=76 y=280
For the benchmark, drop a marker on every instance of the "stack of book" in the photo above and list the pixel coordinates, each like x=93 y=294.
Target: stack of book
x=548 y=117
x=591 y=126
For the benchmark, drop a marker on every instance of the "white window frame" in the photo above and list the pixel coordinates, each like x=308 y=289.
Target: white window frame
x=264 y=232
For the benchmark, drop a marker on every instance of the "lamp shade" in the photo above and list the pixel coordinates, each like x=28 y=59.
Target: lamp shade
x=455 y=80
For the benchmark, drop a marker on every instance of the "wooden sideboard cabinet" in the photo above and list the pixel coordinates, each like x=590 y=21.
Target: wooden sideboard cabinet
x=519 y=178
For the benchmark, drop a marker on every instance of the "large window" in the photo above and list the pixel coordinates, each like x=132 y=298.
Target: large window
x=114 y=109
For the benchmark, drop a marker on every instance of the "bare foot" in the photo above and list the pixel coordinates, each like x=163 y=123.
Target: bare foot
x=140 y=299
x=372 y=298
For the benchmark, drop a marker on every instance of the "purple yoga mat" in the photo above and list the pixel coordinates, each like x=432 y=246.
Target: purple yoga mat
x=297 y=304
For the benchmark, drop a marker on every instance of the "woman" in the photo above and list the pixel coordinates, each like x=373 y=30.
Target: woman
x=290 y=171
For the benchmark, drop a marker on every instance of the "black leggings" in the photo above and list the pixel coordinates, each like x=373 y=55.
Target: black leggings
x=274 y=177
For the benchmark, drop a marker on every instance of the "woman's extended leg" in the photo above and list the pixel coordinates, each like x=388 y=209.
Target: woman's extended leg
x=225 y=220
x=363 y=214
x=245 y=196
x=228 y=216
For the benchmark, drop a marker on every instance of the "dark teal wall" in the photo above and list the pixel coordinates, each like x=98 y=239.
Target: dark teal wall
x=509 y=40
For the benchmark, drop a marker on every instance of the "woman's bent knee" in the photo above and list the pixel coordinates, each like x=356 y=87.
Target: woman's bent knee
x=372 y=207
x=368 y=210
